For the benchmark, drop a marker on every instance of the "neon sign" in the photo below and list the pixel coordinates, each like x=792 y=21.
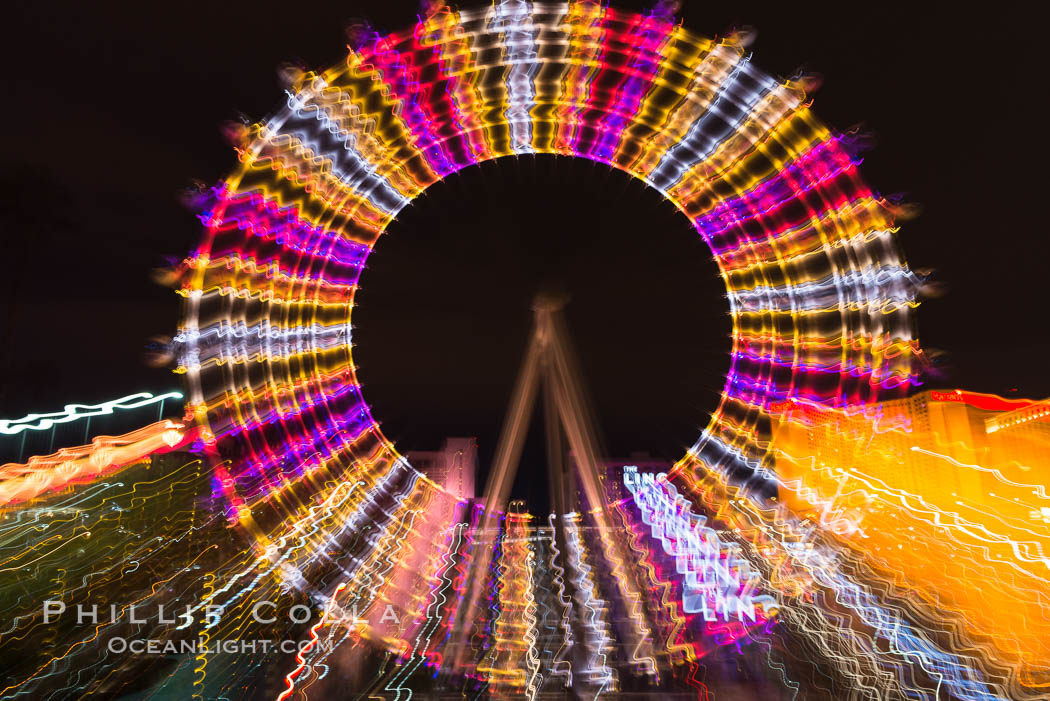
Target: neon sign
x=717 y=583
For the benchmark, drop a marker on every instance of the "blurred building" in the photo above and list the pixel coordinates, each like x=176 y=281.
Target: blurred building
x=611 y=472
x=939 y=492
x=453 y=467
x=945 y=446
x=1020 y=436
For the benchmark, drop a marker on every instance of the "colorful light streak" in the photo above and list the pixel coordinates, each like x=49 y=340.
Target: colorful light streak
x=20 y=482
x=75 y=412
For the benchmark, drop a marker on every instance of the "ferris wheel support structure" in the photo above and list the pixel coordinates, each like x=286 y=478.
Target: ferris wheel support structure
x=549 y=362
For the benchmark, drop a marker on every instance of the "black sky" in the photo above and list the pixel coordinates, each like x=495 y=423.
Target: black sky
x=113 y=107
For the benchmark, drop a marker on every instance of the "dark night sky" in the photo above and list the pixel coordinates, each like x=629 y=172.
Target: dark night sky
x=113 y=107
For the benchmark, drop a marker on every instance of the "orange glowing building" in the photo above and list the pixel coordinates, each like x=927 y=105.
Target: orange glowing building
x=946 y=446
x=943 y=494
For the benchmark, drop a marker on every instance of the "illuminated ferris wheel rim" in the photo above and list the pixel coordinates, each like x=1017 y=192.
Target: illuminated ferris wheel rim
x=801 y=246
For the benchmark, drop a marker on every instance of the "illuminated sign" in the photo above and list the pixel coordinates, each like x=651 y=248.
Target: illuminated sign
x=716 y=582
x=633 y=479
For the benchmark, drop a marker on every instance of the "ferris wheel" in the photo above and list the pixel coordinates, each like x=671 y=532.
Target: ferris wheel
x=818 y=290
x=790 y=552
